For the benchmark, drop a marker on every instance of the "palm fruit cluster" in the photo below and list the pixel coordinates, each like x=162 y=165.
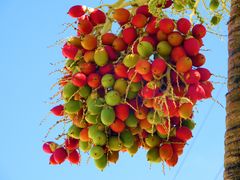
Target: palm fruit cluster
x=135 y=89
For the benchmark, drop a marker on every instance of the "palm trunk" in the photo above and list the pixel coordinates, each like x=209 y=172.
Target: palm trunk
x=232 y=136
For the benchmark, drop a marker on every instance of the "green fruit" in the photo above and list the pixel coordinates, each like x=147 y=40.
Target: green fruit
x=162 y=136
x=131 y=121
x=107 y=80
x=92 y=119
x=120 y=86
x=84 y=146
x=68 y=90
x=108 y=116
x=113 y=98
x=72 y=106
x=101 y=163
x=92 y=130
x=127 y=138
x=153 y=118
x=164 y=48
x=135 y=87
x=131 y=95
x=214 y=4
x=114 y=143
x=99 y=138
x=151 y=130
x=74 y=132
x=153 y=155
x=95 y=106
x=101 y=57
x=215 y=20
x=188 y=123
x=85 y=91
x=145 y=49
x=70 y=63
x=133 y=149
x=130 y=60
x=96 y=152
x=152 y=140
x=179 y=6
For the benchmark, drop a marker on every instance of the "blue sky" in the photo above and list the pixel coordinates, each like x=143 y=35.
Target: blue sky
x=27 y=28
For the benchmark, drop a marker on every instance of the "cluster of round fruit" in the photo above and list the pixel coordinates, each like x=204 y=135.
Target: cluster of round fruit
x=130 y=90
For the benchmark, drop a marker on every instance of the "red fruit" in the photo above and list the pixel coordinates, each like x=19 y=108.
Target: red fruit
x=199 y=31
x=84 y=135
x=170 y=108
x=143 y=10
x=74 y=157
x=208 y=87
x=163 y=128
x=205 y=74
x=183 y=25
x=195 y=92
x=117 y=126
x=174 y=77
x=77 y=11
x=58 y=110
x=179 y=91
x=151 y=27
x=148 y=93
x=79 y=79
x=173 y=161
x=85 y=26
x=166 y=25
x=121 y=70
x=184 y=133
x=119 y=44
x=150 y=40
x=134 y=47
x=112 y=54
x=161 y=36
x=106 y=69
x=192 y=77
x=143 y=67
x=97 y=16
x=175 y=39
x=49 y=147
x=71 y=51
x=148 y=77
x=198 y=60
x=89 y=42
x=71 y=143
x=129 y=35
x=177 y=53
x=121 y=15
x=158 y=66
x=94 y=80
x=139 y=20
x=60 y=155
x=184 y=64
x=122 y=111
x=87 y=68
x=52 y=160
x=166 y=152
x=108 y=38
x=133 y=76
x=191 y=46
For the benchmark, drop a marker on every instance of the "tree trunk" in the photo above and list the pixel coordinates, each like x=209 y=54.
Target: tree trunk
x=232 y=135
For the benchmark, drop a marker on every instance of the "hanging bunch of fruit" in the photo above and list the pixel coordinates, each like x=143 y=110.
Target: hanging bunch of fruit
x=132 y=89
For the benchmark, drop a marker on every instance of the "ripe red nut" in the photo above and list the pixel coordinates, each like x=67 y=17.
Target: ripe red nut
x=133 y=76
x=77 y=11
x=108 y=38
x=87 y=68
x=205 y=74
x=151 y=27
x=163 y=128
x=112 y=54
x=117 y=126
x=49 y=147
x=198 y=60
x=85 y=26
x=175 y=39
x=60 y=155
x=79 y=79
x=58 y=110
x=94 y=80
x=148 y=93
x=106 y=69
x=139 y=20
x=121 y=70
x=143 y=10
x=183 y=25
x=119 y=44
x=183 y=133
x=195 y=92
x=122 y=111
x=166 y=25
x=143 y=67
x=97 y=16
x=129 y=35
x=173 y=161
x=121 y=15
x=191 y=46
x=158 y=66
x=199 y=31
x=148 y=77
x=192 y=76
x=71 y=143
x=166 y=152
x=177 y=53
x=74 y=157
x=52 y=160
x=208 y=88
x=134 y=47
x=70 y=51
x=170 y=108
